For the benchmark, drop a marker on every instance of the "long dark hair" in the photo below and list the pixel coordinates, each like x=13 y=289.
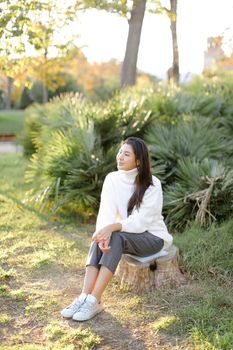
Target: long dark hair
x=144 y=178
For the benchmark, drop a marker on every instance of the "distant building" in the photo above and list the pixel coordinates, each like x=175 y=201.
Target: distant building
x=214 y=52
x=215 y=56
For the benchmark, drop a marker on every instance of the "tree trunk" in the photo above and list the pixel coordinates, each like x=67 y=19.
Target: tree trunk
x=9 y=92
x=45 y=95
x=145 y=277
x=174 y=72
x=129 y=67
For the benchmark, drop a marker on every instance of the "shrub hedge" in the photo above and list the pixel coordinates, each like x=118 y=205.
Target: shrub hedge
x=72 y=143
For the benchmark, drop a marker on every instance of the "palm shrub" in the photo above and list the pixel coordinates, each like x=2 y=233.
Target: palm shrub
x=59 y=114
x=75 y=147
x=167 y=104
x=202 y=191
x=211 y=96
x=206 y=104
x=134 y=118
x=191 y=158
x=173 y=104
x=32 y=128
x=194 y=138
x=75 y=143
x=164 y=105
x=126 y=114
x=68 y=173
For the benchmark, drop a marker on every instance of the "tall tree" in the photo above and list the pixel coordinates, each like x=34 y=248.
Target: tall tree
x=129 y=66
x=41 y=24
x=46 y=35
x=175 y=71
x=12 y=23
x=134 y=12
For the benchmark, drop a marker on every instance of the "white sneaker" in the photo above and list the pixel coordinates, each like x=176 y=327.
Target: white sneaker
x=89 y=309
x=70 y=310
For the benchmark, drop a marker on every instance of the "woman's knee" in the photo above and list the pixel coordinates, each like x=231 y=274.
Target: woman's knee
x=116 y=240
x=95 y=247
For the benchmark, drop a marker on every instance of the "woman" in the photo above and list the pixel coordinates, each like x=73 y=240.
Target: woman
x=129 y=221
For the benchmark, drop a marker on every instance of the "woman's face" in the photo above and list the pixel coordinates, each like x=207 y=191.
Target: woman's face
x=126 y=159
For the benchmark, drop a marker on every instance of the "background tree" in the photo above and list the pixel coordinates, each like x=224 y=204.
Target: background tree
x=129 y=66
x=12 y=48
x=46 y=33
x=174 y=70
x=42 y=25
x=134 y=12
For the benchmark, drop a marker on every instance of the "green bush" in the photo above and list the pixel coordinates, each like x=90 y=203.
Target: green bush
x=213 y=96
x=203 y=191
x=41 y=120
x=189 y=138
x=196 y=171
x=73 y=145
x=195 y=138
x=124 y=115
x=70 y=171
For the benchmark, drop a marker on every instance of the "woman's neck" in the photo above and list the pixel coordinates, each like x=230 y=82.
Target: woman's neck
x=128 y=176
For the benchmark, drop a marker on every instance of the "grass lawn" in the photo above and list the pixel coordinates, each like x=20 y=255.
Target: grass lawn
x=42 y=267
x=11 y=122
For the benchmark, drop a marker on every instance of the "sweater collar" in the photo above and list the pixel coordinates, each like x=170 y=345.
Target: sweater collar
x=128 y=176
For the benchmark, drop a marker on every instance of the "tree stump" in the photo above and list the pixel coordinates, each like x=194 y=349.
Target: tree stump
x=147 y=276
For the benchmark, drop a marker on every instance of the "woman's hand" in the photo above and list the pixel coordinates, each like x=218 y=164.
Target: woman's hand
x=102 y=235
x=104 y=246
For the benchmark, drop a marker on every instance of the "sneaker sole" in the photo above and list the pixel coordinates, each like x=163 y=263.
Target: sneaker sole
x=66 y=316
x=86 y=319
x=72 y=314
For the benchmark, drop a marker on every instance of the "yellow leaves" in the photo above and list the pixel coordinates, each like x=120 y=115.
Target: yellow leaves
x=95 y=74
x=28 y=84
x=56 y=72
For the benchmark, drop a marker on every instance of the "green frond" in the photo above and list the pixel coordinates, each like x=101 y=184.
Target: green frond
x=202 y=192
x=196 y=139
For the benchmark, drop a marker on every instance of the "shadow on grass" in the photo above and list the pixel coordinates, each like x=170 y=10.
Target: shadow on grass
x=203 y=312
x=24 y=206
x=112 y=333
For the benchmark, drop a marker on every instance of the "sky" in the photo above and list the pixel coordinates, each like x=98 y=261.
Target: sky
x=104 y=35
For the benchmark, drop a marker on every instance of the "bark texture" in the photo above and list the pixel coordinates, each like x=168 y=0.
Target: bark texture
x=8 y=93
x=174 y=71
x=145 y=277
x=129 y=67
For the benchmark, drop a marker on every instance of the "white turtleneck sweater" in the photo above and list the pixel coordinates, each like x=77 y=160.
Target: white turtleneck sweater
x=117 y=189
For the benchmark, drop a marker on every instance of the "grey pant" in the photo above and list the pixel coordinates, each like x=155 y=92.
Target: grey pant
x=141 y=244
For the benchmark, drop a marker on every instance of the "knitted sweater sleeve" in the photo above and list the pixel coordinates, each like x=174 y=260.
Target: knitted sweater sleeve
x=141 y=219
x=107 y=209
